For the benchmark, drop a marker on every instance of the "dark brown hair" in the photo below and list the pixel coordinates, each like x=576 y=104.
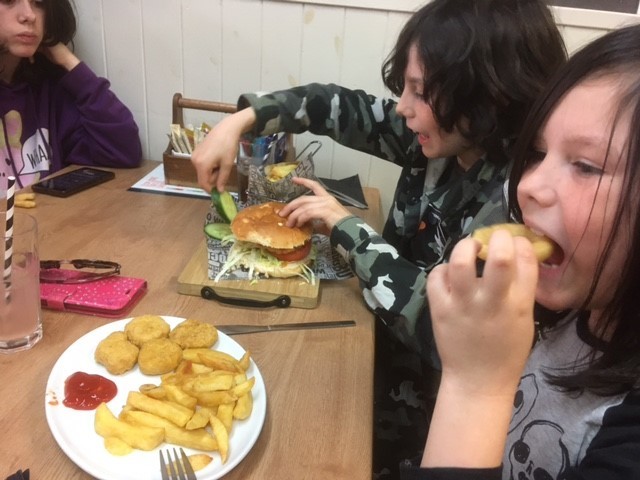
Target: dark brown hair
x=59 y=27
x=485 y=61
x=616 y=367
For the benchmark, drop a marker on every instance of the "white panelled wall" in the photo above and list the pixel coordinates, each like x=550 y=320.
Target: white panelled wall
x=218 y=49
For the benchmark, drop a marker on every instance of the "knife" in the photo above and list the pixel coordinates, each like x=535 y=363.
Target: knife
x=241 y=329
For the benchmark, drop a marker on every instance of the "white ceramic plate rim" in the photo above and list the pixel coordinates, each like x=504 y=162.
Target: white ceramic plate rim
x=73 y=429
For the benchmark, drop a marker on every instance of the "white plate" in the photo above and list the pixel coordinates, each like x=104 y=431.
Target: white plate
x=74 y=432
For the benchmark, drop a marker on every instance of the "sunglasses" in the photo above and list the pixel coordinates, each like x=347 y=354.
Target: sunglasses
x=83 y=271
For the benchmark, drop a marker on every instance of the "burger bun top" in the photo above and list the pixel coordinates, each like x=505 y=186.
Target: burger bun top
x=262 y=225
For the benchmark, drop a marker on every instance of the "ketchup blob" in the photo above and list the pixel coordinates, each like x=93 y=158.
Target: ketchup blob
x=83 y=391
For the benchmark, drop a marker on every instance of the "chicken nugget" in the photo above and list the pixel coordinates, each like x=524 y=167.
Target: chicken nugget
x=159 y=356
x=194 y=334
x=146 y=327
x=116 y=353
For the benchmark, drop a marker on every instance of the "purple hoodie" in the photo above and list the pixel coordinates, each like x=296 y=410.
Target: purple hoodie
x=71 y=119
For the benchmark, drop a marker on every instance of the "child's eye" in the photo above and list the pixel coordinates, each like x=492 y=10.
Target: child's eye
x=535 y=155
x=587 y=168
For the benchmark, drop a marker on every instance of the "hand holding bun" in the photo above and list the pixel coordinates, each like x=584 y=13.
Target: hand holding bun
x=542 y=246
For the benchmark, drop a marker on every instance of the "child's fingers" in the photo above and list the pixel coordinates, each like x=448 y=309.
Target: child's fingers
x=462 y=268
x=528 y=265
x=499 y=268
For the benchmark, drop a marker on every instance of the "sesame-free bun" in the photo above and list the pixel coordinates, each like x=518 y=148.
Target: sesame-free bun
x=262 y=225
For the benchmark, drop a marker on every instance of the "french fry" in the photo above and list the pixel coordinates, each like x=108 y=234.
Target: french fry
x=200 y=418
x=199 y=438
x=222 y=437
x=173 y=412
x=243 y=406
x=199 y=460
x=187 y=367
x=193 y=354
x=178 y=395
x=245 y=361
x=153 y=391
x=117 y=447
x=212 y=358
x=25 y=200
x=25 y=204
x=225 y=414
x=220 y=363
x=244 y=387
x=278 y=171
x=209 y=382
x=140 y=437
x=214 y=399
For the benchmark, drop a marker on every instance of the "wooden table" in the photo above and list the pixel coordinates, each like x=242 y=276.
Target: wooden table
x=319 y=382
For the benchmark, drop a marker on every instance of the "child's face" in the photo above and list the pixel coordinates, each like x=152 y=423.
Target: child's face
x=21 y=26
x=435 y=142
x=571 y=195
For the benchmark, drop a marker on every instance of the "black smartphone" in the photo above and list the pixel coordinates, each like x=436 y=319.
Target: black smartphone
x=72 y=182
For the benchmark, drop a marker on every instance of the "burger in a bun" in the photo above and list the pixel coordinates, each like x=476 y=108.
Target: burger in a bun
x=264 y=244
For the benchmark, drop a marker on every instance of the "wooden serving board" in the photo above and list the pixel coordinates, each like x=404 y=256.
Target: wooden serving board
x=195 y=276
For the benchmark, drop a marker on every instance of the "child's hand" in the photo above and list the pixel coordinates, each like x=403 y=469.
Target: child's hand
x=484 y=325
x=320 y=207
x=214 y=157
x=61 y=55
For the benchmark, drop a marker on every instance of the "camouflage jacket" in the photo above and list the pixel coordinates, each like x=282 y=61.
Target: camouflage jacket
x=435 y=204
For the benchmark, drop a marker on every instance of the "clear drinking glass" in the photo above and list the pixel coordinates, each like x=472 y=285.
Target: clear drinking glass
x=20 y=315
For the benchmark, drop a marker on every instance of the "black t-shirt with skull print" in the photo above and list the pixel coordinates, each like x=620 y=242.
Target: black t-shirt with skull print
x=558 y=436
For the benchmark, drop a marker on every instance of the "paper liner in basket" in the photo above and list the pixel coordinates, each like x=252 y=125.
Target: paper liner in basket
x=329 y=265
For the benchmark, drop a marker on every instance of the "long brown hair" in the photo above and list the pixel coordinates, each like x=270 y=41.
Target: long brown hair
x=616 y=366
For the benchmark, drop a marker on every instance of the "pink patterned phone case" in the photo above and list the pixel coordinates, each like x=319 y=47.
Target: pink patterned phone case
x=108 y=297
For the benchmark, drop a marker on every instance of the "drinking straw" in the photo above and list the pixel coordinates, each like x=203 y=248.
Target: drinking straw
x=8 y=235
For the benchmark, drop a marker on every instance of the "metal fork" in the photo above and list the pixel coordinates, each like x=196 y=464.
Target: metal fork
x=177 y=468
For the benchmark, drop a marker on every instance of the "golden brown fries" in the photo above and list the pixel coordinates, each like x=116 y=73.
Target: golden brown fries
x=140 y=437
x=225 y=415
x=199 y=438
x=222 y=436
x=25 y=200
x=199 y=460
x=200 y=418
x=117 y=447
x=243 y=406
x=174 y=412
x=278 y=171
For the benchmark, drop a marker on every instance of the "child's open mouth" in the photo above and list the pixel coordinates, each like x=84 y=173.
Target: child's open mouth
x=556 y=257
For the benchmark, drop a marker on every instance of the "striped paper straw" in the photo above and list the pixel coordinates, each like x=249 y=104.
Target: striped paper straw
x=8 y=235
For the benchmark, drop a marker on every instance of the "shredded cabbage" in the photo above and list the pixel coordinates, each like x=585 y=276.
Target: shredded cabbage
x=249 y=255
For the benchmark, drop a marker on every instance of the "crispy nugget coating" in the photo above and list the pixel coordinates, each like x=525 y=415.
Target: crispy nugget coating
x=116 y=353
x=159 y=356
x=194 y=334
x=146 y=327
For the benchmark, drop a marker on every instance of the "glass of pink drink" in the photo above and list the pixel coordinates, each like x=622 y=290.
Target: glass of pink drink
x=20 y=316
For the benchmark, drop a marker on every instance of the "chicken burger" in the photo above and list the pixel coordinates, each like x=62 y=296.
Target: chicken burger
x=265 y=245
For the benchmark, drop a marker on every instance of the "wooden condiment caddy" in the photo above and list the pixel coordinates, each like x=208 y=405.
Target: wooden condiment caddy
x=178 y=169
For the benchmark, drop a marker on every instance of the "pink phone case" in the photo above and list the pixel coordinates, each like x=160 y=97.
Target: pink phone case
x=107 y=297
